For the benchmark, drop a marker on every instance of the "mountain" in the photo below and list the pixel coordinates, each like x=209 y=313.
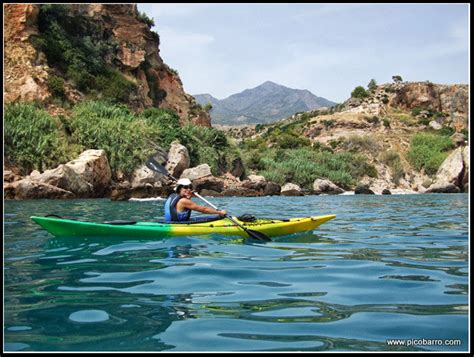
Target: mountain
x=266 y=103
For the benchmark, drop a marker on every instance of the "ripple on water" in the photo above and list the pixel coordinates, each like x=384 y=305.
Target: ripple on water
x=89 y=316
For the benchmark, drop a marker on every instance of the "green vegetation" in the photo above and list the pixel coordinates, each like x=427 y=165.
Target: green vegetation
x=372 y=86
x=397 y=78
x=303 y=165
x=392 y=159
x=74 y=48
x=373 y=119
x=32 y=138
x=36 y=140
x=97 y=125
x=145 y=19
x=208 y=107
x=208 y=145
x=359 y=143
x=359 y=92
x=428 y=151
x=56 y=86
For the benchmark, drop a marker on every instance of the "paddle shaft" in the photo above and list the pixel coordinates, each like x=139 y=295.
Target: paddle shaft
x=229 y=217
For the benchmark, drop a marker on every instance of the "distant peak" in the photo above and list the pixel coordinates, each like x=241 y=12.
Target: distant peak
x=269 y=84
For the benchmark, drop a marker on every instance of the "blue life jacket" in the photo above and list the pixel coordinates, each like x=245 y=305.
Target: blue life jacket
x=171 y=213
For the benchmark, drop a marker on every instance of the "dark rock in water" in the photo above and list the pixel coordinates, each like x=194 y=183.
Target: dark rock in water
x=443 y=188
x=212 y=193
x=272 y=189
x=240 y=192
x=386 y=191
x=292 y=193
x=363 y=190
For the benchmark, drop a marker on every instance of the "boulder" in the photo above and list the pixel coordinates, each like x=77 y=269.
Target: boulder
x=121 y=192
x=458 y=139
x=443 y=187
x=211 y=193
x=465 y=178
x=363 y=190
x=209 y=183
x=453 y=171
x=325 y=186
x=66 y=178
x=29 y=189
x=143 y=176
x=93 y=167
x=272 y=189
x=255 y=184
x=178 y=159
x=197 y=172
x=240 y=191
x=10 y=176
x=290 y=189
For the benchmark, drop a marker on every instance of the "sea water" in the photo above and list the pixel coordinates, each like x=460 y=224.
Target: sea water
x=389 y=273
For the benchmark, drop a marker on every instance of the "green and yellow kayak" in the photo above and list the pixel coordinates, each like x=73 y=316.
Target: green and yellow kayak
x=61 y=227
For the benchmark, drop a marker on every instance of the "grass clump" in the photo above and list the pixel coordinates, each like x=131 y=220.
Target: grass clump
x=428 y=151
x=33 y=139
x=302 y=166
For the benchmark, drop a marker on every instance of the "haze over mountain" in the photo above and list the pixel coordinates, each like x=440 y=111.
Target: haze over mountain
x=265 y=103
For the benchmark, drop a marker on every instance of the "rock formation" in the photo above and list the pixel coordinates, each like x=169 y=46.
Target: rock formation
x=137 y=58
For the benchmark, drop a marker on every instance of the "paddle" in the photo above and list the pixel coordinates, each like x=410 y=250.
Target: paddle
x=153 y=165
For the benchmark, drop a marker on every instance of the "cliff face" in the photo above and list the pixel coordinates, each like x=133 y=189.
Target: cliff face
x=136 y=56
x=452 y=100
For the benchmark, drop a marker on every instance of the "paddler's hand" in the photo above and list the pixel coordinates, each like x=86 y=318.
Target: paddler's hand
x=222 y=213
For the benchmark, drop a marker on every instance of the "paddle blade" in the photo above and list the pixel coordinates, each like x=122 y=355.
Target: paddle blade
x=258 y=235
x=153 y=165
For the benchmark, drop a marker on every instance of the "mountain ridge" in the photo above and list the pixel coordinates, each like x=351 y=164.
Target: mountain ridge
x=266 y=103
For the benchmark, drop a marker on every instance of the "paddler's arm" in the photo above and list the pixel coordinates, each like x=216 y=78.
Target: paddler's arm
x=187 y=203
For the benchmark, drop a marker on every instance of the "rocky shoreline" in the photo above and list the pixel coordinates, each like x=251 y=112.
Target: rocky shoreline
x=89 y=176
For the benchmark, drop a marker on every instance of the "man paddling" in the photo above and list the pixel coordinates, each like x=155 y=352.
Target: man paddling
x=179 y=205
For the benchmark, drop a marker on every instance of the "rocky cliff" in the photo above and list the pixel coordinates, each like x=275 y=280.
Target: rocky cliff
x=449 y=103
x=135 y=55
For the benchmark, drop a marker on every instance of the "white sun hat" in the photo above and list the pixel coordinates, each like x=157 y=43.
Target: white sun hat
x=183 y=182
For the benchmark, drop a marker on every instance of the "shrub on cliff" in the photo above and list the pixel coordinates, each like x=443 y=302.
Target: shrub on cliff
x=428 y=151
x=208 y=145
x=77 y=50
x=33 y=139
x=359 y=92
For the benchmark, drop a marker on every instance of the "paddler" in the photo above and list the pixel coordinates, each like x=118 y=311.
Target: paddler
x=179 y=205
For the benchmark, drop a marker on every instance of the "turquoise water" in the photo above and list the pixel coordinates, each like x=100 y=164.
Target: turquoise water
x=387 y=268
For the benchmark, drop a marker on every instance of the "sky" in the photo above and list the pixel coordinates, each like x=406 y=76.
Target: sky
x=328 y=49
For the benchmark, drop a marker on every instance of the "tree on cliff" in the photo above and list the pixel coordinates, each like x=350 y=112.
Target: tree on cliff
x=397 y=79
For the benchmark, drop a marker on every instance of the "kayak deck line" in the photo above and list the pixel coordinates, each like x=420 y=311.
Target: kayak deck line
x=60 y=227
